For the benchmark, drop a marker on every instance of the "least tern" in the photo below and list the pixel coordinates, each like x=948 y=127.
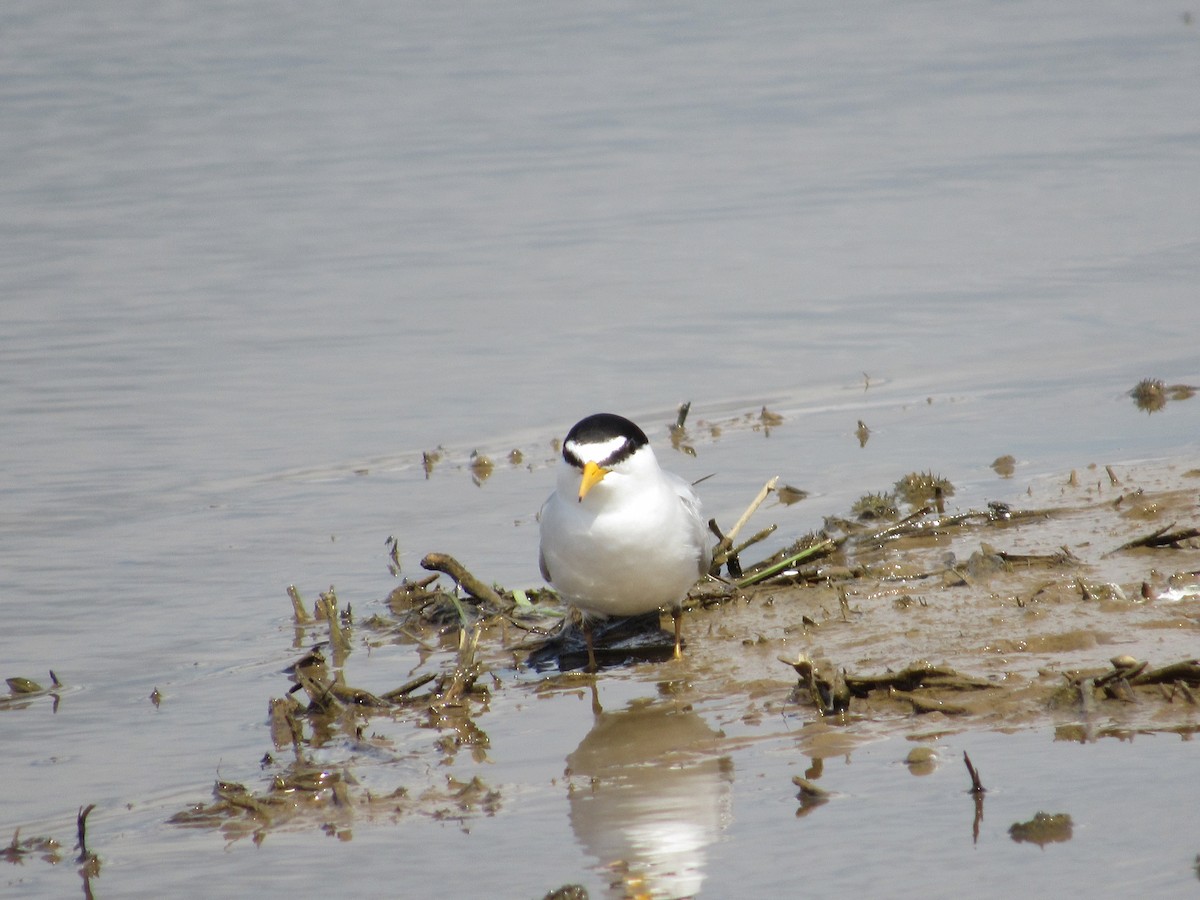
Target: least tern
x=619 y=536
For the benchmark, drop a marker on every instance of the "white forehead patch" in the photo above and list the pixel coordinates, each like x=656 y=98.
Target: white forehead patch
x=595 y=452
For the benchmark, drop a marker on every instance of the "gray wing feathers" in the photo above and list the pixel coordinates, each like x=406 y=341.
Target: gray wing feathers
x=691 y=502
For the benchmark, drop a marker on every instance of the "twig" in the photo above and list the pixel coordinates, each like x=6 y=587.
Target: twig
x=683 y=414
x=754 y=505
x=723 y=554
x=408 y=687
x=328 y=607
x=1159 y=538
x=750 y=542
x=1187 y=671
x=977 y=792
x=786 y=563
x=320 y=691
x=301 y=614
x=898 y=527
x=442 y=562
x=467 y=669
x=977 y=787
x=81 y=827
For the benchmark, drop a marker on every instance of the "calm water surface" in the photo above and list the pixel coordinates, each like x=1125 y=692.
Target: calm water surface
x=254 y=259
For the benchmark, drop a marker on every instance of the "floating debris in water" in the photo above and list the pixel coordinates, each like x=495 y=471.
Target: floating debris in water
x=679 y=435
x=923 y=488
x=1043 y=829
x=481 y=467
x=921 y=760
x=568 y=892
x=824 y=683
x=810 y=792
x=19 y=685
x=788 y=495
x=863 y=433
x=49 y=849
x=1005 y=465
x=393 y=547
x=874 y=506
x=1152 y=394
x=429 y=459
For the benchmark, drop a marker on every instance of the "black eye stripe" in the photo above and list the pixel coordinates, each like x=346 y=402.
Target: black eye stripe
x=622 y=453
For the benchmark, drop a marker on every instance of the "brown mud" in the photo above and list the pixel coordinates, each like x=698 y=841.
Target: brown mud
x=1080 y=610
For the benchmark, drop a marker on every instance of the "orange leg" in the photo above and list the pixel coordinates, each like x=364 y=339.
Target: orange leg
x=677 y=616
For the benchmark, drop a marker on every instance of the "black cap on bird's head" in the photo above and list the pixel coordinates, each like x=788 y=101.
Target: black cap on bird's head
x=620 y=437
x=602 y=428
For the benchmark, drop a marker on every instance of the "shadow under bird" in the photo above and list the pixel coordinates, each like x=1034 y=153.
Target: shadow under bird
x=620 y=536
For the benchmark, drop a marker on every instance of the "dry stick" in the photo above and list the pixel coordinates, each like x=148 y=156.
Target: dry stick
x=81 y=827
x=1186 y=671
x=319 y=693
x=1144 y=541
x=441 y=562
x=897 y=527
x=301 y=614
x=683 y=414
x=723 y=555
x=328 y=606
x=467 y=669
x=408 y=687
x=977 y=787
x=757 y=502
x=750 y=542
x=1158 y=538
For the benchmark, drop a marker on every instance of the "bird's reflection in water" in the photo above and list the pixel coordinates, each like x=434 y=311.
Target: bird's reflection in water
x=648 y=795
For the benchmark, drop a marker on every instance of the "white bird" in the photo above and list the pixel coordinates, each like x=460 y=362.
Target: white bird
x=619 y=536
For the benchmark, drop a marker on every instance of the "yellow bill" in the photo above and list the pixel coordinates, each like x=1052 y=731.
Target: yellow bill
x=592 y=475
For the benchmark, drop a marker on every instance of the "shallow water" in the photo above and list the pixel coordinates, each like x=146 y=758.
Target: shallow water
x=255 y=260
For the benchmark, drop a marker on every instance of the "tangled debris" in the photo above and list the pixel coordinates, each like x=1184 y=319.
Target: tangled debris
x=302 y=790
x=986 y=617
x=49 y=850
x=1152 y=394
